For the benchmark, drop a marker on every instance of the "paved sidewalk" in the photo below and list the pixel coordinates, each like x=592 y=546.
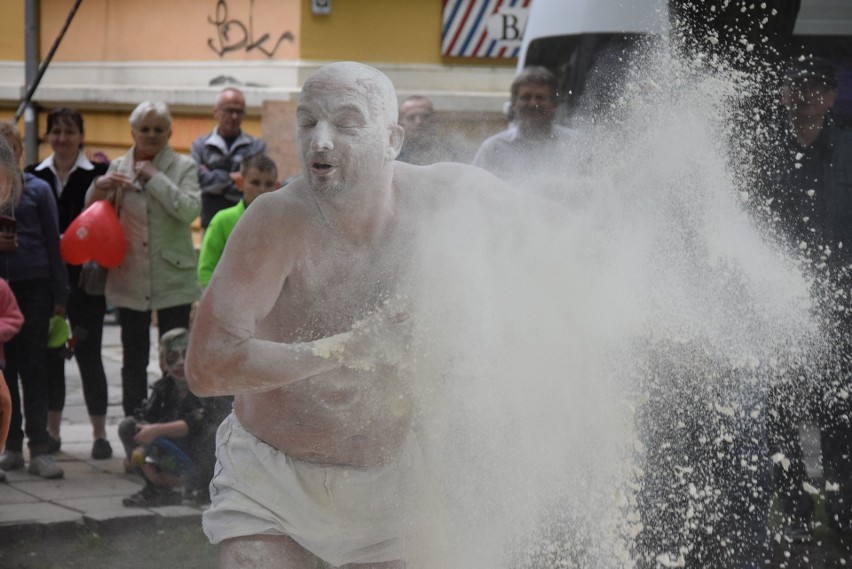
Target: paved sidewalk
x=91 y=491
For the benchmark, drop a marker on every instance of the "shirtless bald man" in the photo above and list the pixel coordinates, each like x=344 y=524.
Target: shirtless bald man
x=302 y=323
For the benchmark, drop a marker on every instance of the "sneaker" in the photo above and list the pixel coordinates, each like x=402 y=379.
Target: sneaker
x=152 y=497
x=43 y=465
x=101 y=449
x=11 y=460
x=53 y=445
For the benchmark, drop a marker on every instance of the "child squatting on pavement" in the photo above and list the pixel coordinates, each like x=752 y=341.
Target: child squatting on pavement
x=169 y=439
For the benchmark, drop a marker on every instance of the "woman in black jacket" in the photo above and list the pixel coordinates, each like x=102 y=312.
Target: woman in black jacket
x=70 y=173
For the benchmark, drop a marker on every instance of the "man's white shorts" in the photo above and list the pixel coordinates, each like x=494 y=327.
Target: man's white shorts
x=340 y=514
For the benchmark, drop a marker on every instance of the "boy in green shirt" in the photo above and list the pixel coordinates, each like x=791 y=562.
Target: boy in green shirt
x=258 y=175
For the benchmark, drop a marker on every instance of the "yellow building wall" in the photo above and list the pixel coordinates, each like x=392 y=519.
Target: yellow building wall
x=373 y=30
x=12 y=30
x=392 y=31
x=385 y=31
x=381 y=31
x=172 y=30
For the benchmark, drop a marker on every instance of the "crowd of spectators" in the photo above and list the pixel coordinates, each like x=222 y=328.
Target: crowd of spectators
x=158 y=193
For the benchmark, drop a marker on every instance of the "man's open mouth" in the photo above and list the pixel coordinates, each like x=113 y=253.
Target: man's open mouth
x=321 y=167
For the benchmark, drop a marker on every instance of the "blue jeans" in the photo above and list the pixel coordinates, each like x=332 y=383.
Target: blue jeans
x=26 y=357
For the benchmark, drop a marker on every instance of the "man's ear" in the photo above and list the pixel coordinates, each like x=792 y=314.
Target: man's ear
x=396 y=136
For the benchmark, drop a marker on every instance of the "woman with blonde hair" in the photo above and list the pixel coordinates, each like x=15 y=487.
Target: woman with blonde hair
x=11 y=318
x=31 y=264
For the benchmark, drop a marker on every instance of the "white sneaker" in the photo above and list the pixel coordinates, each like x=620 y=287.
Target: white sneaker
x=43 y=465
x=11 y=460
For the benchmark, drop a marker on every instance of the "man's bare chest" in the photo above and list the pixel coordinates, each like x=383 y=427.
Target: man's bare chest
x=329 y=289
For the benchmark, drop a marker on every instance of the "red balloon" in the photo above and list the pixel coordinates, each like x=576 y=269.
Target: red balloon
x=95 y=235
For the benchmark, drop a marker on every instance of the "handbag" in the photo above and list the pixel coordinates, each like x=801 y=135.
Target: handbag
x=93 y=279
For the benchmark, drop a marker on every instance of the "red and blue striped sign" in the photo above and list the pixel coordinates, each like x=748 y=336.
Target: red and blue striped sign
x=483 y=28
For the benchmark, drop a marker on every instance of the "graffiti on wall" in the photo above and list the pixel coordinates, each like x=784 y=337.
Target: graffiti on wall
x=233 y=34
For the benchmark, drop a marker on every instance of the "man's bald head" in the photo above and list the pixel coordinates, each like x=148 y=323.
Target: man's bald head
x=368 y=81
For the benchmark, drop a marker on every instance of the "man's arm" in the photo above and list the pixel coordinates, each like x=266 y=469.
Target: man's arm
x=225 y=356
x=149 y=432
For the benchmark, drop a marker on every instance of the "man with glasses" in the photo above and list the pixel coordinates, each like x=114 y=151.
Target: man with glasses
x=220 y=153
x=533 y=143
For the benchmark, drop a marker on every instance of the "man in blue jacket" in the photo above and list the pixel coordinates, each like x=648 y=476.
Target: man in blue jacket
x=219 y=154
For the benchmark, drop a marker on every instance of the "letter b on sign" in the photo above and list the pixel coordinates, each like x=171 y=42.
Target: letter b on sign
x=507 y=26
x=511 y=31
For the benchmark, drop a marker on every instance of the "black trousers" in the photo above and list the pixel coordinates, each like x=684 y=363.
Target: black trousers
x=86 y=314
x=136 y=345
x=26 y=356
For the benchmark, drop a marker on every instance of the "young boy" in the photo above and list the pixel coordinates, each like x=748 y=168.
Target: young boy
x=258 y=175
x=171 y=437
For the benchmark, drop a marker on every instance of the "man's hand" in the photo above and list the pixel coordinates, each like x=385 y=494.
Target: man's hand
x=381 y=338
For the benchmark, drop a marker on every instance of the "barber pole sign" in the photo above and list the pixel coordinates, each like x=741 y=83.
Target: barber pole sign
x=483 y=28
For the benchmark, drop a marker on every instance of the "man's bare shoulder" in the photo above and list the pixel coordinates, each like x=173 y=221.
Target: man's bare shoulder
x=266 y=243
x=443 y=177
x=285 y=209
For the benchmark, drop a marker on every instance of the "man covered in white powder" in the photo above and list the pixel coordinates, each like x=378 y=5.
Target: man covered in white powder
x=305 y=324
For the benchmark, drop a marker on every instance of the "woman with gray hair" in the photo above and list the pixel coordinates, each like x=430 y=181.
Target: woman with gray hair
x=156 y=195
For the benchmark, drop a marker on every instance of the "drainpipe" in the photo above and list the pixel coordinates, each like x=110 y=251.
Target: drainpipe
x=30 y=72
x=34 y=72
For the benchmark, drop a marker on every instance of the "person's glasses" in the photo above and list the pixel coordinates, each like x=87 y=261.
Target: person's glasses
x=535 y=99
x=233 y=111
